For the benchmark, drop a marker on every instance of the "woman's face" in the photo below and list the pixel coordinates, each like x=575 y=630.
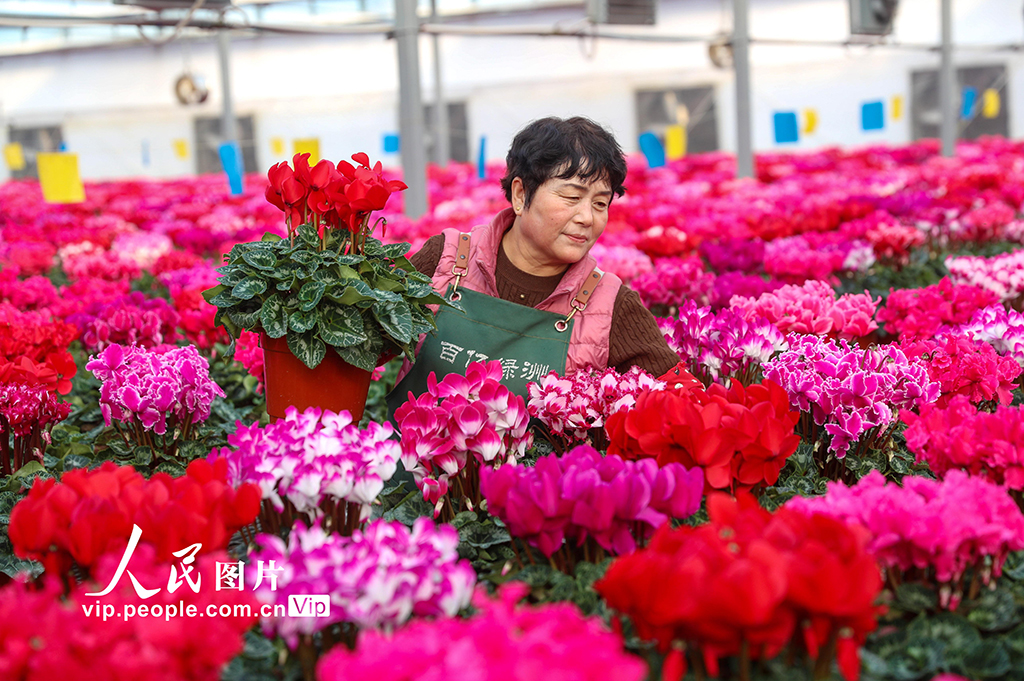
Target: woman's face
x=557 y=229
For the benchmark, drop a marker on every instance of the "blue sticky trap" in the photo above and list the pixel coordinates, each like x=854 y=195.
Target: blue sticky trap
x=969 y=100
x=145 y=153
x=390 y=143
x=653 y=149
x=481 y=162
x=231 y=161
x=872 y=116
x=786 y=128
x=63 y=146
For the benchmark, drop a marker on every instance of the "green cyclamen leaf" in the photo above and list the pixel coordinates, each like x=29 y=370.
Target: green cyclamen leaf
x=303 y=321
x=364 y=355
x=260 y=258
x=396 y=319
x=274 y=317
x=342 y=326
x=247 y=288
x=307 y=347
x=310 y=294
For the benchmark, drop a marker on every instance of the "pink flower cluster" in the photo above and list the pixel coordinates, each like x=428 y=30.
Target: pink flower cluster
x=377 y=579
x=626 y=262
x=250 y=355
x=25 y=409
x=570 y=406
x=721 y=345
x=469 y=420
x=812 y=308
x=962 y=366
x=501 y=642
x=32 y=293
x=141 y=248
x=1003 y=274
x=131 y=319
x=27 y=413
x=1001 y=328
x=147 y=388
x=796 y=259
x=311 y=457
x=585 y=495
x=86 y=260
x=851 y=392
x=961 y=437
x=673 y=281
x=925 y=312
x=947 y=525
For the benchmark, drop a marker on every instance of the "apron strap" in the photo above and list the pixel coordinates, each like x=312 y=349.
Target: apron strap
x=579 y=303
x=461 y=265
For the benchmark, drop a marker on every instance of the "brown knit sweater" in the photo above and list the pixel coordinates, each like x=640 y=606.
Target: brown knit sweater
x=634 y=338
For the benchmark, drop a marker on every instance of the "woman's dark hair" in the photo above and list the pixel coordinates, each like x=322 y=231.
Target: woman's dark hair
x=563 y=148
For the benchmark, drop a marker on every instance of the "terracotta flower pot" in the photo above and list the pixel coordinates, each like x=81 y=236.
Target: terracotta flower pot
x=334 y=384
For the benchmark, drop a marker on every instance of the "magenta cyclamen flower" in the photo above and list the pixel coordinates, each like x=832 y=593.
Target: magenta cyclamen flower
x=963 y=366
x=673 y=281
x=925 y=312
x=1001 y=328
x=848 y=390
x=131 y=319
x=812 y=309
x=947 y=526
x=377 y=579
x=721 y=345
x=959 y=436
x=145 y=387
x=502 y=642
x=584 y=494
x=571 y=405
x=461 y=417
x=313 y=456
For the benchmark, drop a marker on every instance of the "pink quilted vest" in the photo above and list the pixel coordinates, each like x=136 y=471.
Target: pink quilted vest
x=589 y=341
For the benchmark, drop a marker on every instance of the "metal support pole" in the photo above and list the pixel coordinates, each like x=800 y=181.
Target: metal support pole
x=947 y=84
x=228 y=122
x=741 y=63
x=410 y=109
x=441 y=149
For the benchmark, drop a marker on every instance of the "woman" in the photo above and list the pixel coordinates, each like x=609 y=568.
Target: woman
x=533 y=296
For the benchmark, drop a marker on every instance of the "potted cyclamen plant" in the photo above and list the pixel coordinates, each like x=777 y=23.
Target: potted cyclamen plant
x=330 y=301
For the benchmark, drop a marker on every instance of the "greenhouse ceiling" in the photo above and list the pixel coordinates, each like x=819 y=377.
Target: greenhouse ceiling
x=33 y=26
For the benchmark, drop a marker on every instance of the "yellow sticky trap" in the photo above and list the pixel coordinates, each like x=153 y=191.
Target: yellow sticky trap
x=675 y=142
x=810 y=120
x=310 y=145
x=14 y=156
x=990 y=103
x=180 y=148
x=59 y=178
x=897 y=107
x=277 y=146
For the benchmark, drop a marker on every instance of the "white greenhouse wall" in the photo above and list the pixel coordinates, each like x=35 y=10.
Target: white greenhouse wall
x=111 y=102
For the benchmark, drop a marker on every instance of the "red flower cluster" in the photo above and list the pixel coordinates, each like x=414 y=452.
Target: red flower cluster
x=751 y=583
x=90 y=513
x=924 y=312
x=741 y=437
x=339 y=196
x=963 y=366
x=34 y=350
x=43 y=636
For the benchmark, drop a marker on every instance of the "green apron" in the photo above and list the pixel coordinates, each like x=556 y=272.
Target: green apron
x=524 y=339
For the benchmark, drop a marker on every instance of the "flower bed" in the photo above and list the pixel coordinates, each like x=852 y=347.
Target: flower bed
x=849 y=328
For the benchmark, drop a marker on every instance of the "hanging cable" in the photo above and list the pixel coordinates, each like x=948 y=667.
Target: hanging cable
x=178 y=28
